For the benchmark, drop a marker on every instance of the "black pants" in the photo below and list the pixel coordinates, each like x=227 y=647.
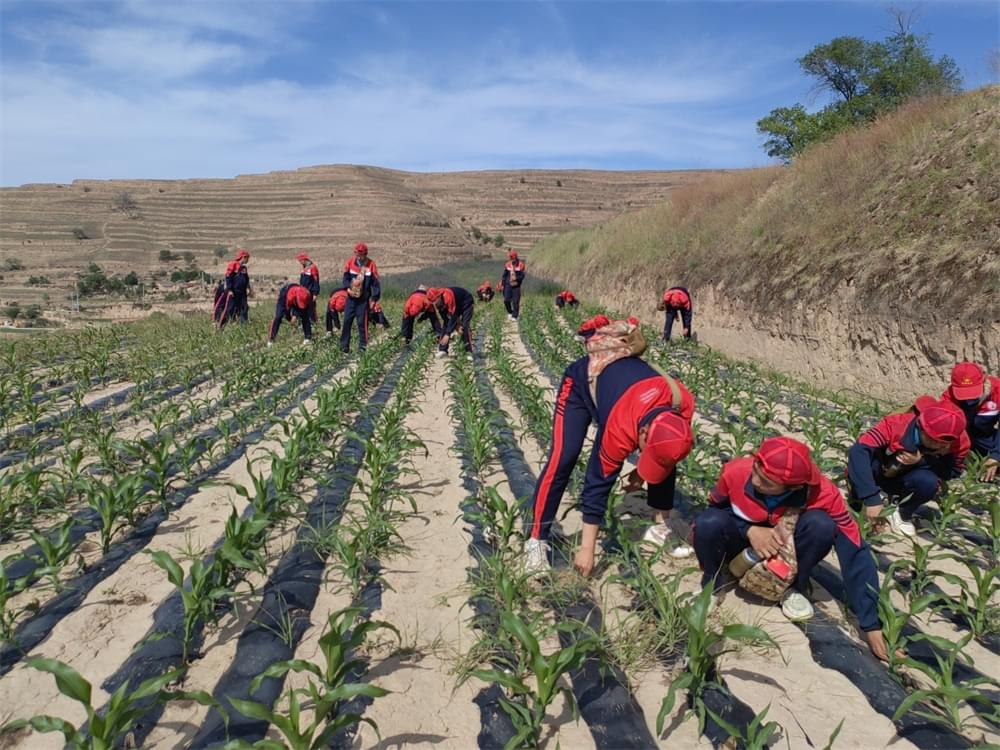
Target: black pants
x=512 y=300
x=466 y=313
x=356 y=310
x=406 y=327
x=281 y=312
x=332 y=320
x=668 y=324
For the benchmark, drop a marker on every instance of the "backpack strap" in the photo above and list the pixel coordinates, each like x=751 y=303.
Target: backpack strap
x=675 y=390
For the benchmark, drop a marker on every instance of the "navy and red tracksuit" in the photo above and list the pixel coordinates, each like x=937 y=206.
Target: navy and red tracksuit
x=513 y=278
x=455 y=305
x=720 y=533
x=676 y=299
x=485 y=292
x=357 y=307
x=630 y=393
x=871 y=469
x=982 y=420
x=336 y=305
x=293 y=299
x=416 y=309
x=309 y=278
x=566 y=297
x=233 y=302
x=378 y=314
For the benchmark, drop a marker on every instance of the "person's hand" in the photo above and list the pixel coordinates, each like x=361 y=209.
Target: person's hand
x=766 y=542
x=632 y=481
x=873 y=513
x=908 y=458
x=876 y=642
x=990 y=467
x=584 y=561
x=443 y=341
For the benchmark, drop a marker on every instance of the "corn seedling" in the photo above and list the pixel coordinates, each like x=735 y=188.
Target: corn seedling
x=54 y=551
x=757 y=733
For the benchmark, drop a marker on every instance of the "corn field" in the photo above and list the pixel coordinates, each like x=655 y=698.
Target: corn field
x=205 y=543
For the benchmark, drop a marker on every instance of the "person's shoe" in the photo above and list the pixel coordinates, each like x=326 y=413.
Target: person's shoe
x=795 y=606
x=306 y=342
x=345 y=351
x=899 y=526
x=440 y=354
x=659 y=534
x=509 y=316
x=536 y=557
x=270 y=344
x=329 y=334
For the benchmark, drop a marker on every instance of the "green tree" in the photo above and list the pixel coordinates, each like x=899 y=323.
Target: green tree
x=866 y=79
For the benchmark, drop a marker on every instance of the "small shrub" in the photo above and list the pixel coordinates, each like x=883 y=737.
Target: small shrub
x=131 y=279
x=188 y=256
x=80 y=233
x=124 y=202
x=498 y=240
x=558 y=183
x=220 y=251
x=521 y=180
x=167 y=257
x=13 y=264
x=177 y=296
x=184 y=275
x=33 y=312
x=38 y=281
x=12 y=311
x=477 y=232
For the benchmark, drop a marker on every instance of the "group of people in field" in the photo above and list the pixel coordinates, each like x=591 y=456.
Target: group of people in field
x=773 y=515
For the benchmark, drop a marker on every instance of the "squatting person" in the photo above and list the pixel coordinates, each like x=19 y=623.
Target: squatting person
x=455 y=305
x=334 y=309
x=566 y=297
x=635 y=407
x=750 y=509
x=906 y=458
x=485 y=291
x=978 y=396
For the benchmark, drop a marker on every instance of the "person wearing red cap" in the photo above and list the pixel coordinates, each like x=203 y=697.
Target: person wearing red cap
x=362 y=282
x=418 y=308
x=676 y=300
x=907 y=456
x=978 y=396
x=293 y=299
x=233 y=302
x=334 y=309
x=309 y=278
x=455 y=305
x=485 y=291
x=751 y=496
x=636 y=408
x=513 y=278
x=566 y=297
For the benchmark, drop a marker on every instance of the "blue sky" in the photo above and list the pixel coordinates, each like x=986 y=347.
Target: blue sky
x=162 y=89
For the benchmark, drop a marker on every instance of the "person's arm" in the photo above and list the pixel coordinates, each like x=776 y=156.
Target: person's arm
x=376 y=287
x=860 y=579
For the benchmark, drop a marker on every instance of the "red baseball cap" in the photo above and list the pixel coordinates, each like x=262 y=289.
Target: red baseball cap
x=512 y=254
x=242 y=254
x=967 y=379
x=433 y=293
x=939 y=420
x=788 y=462
x=361 y=248
x=668 y=440
x=302 y=258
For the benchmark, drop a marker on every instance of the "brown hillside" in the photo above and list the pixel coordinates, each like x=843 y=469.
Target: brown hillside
x=409 y=220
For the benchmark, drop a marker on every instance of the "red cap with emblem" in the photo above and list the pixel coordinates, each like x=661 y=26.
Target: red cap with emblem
x=939 y=420
x=787 y=461
x=967 y=380
x=668 y=441
x=361 y=248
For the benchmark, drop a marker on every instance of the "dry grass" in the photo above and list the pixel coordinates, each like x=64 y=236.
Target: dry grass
x=904 y=212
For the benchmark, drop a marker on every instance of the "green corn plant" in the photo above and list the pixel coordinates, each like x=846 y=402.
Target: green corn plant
x=107 y=729
x=989 y=527
x=917 y=568
x=158 y=460
x=757 y=734
x=114 y=503
x=894 y=621
x=500 y=521
x=977 y=598
x=242 y=547
x=199 y=599
x=535 y=682
x=705 y=645
x=942 y=703
x=54 y=551
x=657 y=597
x=9 y=588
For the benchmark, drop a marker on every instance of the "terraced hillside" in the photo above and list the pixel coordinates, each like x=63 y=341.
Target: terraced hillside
x=409 y=220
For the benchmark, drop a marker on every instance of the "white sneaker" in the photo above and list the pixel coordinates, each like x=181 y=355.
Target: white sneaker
x=440 y=354
x=536 y=557
x=509 y=316
x=329 y=334
x=795 y=606
x=306 y=342
x=659 y=534
x=270 y=344
x=899 y=526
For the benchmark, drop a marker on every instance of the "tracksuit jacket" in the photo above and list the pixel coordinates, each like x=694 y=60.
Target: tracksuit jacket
x=336 y=305
x=982 y=420
x=676 y=299
x=825 y=522
x=309 y=278
x=233 y=303
x=357 y=307
x=630 y=393
x=871 y=455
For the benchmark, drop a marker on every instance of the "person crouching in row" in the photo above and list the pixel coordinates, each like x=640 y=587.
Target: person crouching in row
x=485 y=292
x=455 y=305
x=418 y=308
x=334 y=309
x=978 y=397
x=566 y=297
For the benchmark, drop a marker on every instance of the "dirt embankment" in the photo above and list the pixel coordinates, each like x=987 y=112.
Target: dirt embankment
x=872 y=263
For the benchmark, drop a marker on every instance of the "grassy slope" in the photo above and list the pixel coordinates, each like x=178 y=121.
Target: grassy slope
x=905 y=213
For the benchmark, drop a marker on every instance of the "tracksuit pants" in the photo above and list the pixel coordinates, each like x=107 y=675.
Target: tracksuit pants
x=236 y=307
x=512 y=300
x=356 y=310
x=574 y=413
x=332 y=320
x=719 y=536
x=918 y=486
x=406 y=327
x=668 y=324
